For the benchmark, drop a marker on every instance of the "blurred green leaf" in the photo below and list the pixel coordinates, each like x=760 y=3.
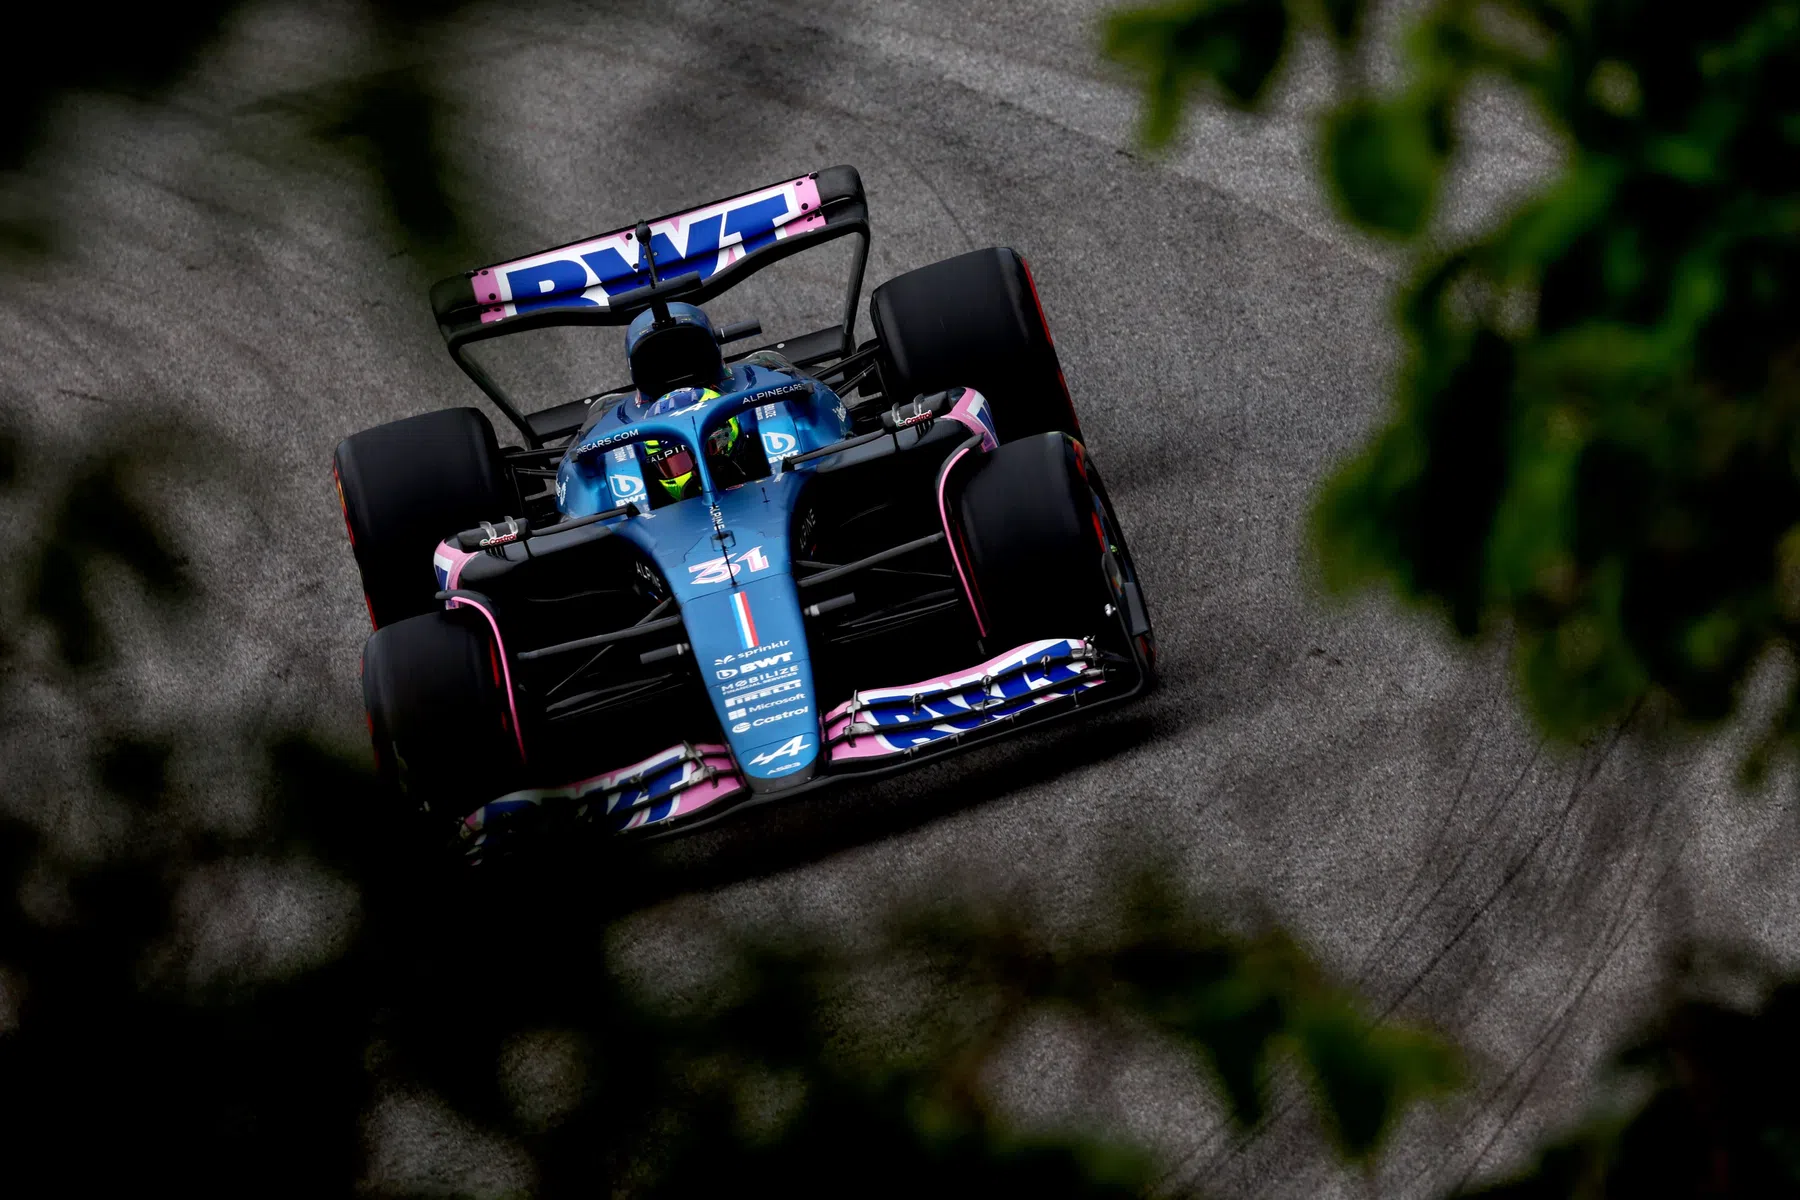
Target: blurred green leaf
x=1593 y=442
x=1384 y=164
x=1190 y=45
x=394 y=122
x=1369 y=1075
x=98 y=518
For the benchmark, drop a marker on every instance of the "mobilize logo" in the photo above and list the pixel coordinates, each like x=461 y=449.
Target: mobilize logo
x=793 y=747
x=756 y=680
x=755 y=664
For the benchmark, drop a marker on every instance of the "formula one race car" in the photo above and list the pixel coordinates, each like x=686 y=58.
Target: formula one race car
x=740 y=578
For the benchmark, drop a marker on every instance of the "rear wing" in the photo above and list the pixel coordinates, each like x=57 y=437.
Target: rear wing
x=699 y=253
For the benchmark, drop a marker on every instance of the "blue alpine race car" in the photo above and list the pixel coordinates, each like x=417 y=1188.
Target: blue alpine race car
x=741 y=576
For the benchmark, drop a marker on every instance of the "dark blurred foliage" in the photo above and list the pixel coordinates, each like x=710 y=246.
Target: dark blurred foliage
x=1595 y=435
x=387 y=117
x=1722 y=1117
x=124 y=1065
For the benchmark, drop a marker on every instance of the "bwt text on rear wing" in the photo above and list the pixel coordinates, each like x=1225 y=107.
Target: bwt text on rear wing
x=698 y=253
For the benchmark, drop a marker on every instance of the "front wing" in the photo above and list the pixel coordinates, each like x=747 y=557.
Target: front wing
x=875 y=732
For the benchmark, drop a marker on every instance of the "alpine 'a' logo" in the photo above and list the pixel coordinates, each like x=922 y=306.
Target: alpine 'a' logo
x=792 y=746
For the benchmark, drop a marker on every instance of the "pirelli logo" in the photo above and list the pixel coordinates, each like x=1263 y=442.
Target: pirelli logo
x=772 y=690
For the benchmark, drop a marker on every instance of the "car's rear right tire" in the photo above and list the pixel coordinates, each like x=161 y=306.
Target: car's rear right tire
x=407 y=485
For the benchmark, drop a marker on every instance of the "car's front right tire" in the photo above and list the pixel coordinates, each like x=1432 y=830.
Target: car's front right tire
x=1036 y=554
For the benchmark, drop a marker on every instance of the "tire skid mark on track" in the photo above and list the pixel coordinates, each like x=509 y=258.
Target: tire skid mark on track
x=1405 y=922
x=1290 y=1108
x=1560 y=1026
x=1418 y=881
x=1622 y=918
x=1548 y=836
x=1482 y=907
x=1622 y=921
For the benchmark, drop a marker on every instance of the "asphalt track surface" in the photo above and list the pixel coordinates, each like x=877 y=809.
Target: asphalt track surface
x=1342 y=770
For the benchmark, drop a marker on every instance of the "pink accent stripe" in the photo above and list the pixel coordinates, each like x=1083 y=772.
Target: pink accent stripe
x=964 y=414
x=485 y=284
x=950 y=540
x=689 y=800
x=505 y=665
x=869 y=745
x=806 y=191
x=458 y=560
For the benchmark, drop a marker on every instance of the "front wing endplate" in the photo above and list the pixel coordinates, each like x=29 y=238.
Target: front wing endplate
x=898 y=720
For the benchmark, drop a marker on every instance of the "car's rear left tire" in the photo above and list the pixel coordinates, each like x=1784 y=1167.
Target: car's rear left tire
x=440 y=714
x=407 y=485
x=974 y=321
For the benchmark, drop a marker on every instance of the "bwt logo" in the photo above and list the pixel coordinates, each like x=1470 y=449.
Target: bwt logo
x=696 y=242
x=625 y=487
x=777 y=444
x=746 y=666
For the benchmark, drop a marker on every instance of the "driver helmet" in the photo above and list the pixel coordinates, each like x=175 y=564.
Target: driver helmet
x=723 y=440
x=682 y=353
x=670 y=464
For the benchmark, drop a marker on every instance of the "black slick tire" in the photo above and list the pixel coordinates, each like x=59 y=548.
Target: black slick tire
x=407 y=485
x=439 y=714
x=975 y=321
x=1027 y=524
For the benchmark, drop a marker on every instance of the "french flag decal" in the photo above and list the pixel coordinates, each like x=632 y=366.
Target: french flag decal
x=740 y=608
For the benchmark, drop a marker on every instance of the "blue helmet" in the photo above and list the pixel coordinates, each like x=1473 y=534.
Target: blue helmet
x=684 y=352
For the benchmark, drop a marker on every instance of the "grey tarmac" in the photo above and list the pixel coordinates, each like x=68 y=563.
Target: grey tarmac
x=1340 y=769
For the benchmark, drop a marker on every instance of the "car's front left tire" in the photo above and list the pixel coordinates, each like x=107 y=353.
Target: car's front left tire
x=441 y=715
